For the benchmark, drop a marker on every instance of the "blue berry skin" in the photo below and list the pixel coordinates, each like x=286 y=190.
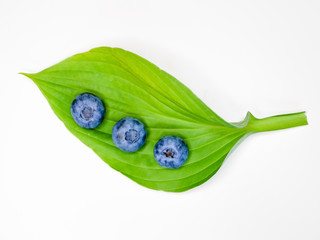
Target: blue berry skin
x=129 y=134
x=87 y=110
x=171 y=152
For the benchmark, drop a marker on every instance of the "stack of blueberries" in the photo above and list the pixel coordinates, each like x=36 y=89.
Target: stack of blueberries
x=128 y=134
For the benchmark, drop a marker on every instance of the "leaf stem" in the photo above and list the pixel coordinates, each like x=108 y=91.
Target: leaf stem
x=277 y=122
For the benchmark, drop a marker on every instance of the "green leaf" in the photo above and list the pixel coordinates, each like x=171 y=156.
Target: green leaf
x=131 y=86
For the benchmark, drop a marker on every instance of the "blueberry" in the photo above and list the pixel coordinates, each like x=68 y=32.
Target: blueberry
x=171 y=152
x=129 y=134
x=87 y=110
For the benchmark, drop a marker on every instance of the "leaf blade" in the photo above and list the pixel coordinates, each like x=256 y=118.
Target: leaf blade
x=132 y=86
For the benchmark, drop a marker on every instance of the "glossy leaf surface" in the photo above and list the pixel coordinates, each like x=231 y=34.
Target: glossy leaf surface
x=131 y=86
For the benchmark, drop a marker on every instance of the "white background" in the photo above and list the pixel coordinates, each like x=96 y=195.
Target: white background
x=261 y=56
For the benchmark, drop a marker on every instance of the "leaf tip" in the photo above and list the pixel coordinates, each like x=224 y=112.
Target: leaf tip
x=29 y=75
x=26 y=74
